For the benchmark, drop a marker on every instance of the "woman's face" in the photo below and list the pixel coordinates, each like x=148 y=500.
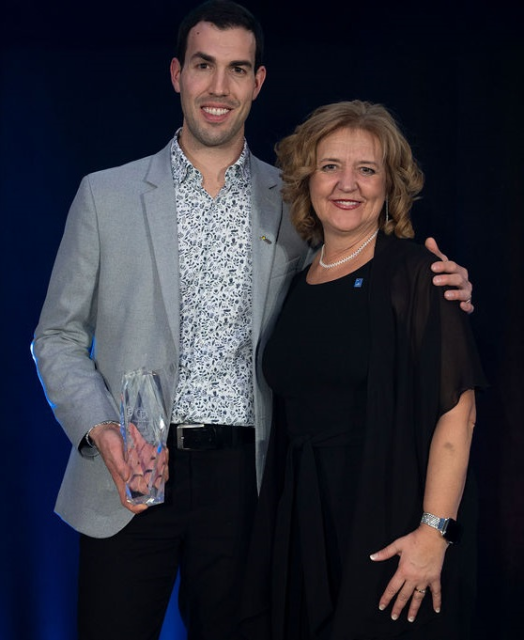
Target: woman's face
x=348 y=187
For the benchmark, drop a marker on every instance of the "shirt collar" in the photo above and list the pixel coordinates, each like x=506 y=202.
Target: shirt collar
x=182 y=167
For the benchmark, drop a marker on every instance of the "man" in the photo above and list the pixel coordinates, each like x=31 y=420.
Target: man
x=178 y=263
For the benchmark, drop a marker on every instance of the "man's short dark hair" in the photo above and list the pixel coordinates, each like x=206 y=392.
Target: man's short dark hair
x=224 y=14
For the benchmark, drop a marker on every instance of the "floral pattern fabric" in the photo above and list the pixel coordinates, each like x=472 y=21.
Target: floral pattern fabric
x=215 y=262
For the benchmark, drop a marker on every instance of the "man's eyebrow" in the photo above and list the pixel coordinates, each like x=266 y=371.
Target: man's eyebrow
x=241 y=63
x=234 y=63
x=203 y=56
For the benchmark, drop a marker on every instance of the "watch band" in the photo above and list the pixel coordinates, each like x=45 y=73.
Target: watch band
x=88 y=440
x=87 y=437
x=449 y=528
x=433 y=521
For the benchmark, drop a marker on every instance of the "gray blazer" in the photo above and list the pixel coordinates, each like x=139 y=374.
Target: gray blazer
x=113 y=305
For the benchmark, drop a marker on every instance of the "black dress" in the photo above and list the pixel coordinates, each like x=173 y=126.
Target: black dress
x=319 y=367
x=361 y=367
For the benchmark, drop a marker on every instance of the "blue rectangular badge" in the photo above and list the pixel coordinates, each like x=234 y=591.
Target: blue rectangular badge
x=358 y=282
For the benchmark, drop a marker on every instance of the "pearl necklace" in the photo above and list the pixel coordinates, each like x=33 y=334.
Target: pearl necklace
x=347 y=258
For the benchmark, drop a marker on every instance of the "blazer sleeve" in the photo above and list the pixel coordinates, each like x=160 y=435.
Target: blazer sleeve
x=64 y=336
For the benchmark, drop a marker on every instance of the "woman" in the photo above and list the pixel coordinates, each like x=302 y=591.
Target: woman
x=374 y=375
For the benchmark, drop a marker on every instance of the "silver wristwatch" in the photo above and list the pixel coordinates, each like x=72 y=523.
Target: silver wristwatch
x=449 y=528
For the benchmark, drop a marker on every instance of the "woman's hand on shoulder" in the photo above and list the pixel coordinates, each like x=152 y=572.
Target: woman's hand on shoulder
x=417 y=576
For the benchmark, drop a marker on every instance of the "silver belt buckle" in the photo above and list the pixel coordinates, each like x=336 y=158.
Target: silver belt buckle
x=180 y=434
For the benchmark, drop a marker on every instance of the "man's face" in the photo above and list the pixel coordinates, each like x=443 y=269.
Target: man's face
x=217 y=84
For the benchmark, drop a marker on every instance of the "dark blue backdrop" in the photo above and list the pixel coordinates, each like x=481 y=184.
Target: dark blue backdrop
x=87 y=87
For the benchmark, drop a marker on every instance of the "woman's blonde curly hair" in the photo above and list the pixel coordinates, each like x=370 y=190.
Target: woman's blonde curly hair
x=296 y=158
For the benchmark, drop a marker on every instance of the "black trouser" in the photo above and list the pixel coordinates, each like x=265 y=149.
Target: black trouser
x=202 y=530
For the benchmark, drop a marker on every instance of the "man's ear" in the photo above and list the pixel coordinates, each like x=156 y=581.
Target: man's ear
x=175 y=69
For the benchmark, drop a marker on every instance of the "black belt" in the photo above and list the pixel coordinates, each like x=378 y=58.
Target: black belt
x=205 y=437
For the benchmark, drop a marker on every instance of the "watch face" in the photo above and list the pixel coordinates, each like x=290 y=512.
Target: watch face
x=452 y=532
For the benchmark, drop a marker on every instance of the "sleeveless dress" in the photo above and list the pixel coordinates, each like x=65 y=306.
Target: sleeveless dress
x=319 y=367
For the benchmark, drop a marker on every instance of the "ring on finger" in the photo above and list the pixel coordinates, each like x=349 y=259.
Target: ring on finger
x=422 y=591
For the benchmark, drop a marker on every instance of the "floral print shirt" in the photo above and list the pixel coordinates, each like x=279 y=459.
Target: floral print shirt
x=215 y=261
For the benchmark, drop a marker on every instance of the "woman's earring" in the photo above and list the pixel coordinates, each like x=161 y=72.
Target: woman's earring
x=387 y=211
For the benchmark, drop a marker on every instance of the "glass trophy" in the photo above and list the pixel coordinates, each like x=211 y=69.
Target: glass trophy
x=144 y=427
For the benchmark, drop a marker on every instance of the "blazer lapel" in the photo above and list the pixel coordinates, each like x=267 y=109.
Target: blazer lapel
x=160 y=209
x=266 y=215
